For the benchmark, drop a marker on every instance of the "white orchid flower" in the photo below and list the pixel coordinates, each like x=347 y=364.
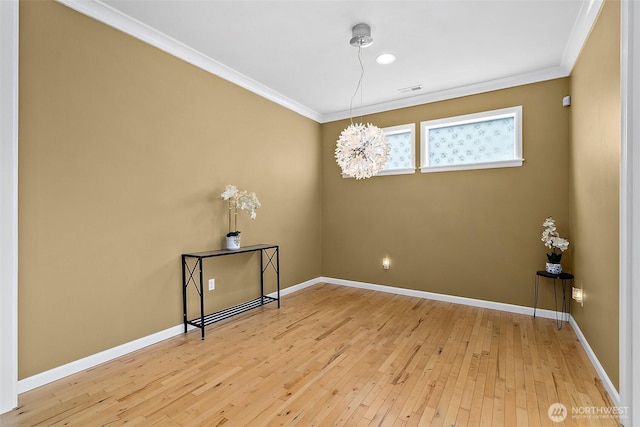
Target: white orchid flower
x=229 y=192
x=550 y=236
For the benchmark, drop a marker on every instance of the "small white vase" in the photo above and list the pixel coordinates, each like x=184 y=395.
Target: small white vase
x=233 y=243
x=554 y=268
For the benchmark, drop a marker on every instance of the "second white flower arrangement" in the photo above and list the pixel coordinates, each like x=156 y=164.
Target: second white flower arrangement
x=242 y=200
x=551 y=239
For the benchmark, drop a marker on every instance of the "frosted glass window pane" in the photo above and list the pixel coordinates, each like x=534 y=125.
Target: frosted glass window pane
x=401 y=153
x=486 y=141
x=489 y=139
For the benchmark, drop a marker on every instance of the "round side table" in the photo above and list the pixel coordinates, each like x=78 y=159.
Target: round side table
x=565 y=279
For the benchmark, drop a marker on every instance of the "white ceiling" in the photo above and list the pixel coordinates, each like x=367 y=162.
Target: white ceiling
x=297 y=52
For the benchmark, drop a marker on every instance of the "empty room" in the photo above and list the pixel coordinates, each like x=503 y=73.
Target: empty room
x=306 y=212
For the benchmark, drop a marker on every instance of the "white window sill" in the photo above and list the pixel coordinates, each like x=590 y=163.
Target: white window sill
x=471 y=166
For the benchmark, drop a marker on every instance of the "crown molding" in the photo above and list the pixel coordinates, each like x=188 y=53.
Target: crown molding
x=580 y=32
x=101 y=12
x=116 y=19
x=458 y=92
x=578 y=36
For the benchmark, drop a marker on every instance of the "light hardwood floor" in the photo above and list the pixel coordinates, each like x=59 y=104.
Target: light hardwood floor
x=334 y=355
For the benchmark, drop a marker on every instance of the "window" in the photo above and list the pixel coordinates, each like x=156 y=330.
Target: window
x=402 y=158
x=491 y=139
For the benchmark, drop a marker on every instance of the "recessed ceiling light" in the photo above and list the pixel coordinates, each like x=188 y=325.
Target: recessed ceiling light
x=386 y=58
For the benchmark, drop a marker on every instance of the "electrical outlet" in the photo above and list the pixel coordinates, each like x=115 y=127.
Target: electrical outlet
x=212 y=284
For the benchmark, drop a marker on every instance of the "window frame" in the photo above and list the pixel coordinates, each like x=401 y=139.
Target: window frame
x=395 y=130
x=426 y=126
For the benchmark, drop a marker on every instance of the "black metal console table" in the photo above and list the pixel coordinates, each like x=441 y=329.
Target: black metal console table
x=565 y=279
x=192 y=264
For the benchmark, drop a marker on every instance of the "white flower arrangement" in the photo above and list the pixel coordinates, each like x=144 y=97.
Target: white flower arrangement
x=242 y=200
x=552 y=240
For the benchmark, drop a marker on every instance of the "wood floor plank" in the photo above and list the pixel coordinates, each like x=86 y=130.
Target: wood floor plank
x=335 y=355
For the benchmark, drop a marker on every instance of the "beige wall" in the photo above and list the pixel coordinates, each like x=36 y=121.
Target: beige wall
x=124 y=149
x=594 y=185
x=469 y=233
x=123 y=153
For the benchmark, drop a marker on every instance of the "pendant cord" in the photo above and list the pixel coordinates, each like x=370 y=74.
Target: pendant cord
x=357 y=87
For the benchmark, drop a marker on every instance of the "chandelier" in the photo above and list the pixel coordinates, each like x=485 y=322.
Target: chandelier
x=361 y=150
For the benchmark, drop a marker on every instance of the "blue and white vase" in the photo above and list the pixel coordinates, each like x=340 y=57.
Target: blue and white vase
x=554 y=268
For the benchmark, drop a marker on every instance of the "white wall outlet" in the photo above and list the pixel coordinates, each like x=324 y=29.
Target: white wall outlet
x=212 y=284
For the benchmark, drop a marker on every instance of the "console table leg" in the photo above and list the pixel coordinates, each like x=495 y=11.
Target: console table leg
x=201 y=296
x=555 y=298
x=278 y=273
x=262 y=276
x=184 y=294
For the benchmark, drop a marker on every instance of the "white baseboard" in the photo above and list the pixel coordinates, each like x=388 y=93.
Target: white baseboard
x=76 y=366
x=88 y=362
x=296 y=288
x=511 y=308
x=549 y=314
x=606 y=382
